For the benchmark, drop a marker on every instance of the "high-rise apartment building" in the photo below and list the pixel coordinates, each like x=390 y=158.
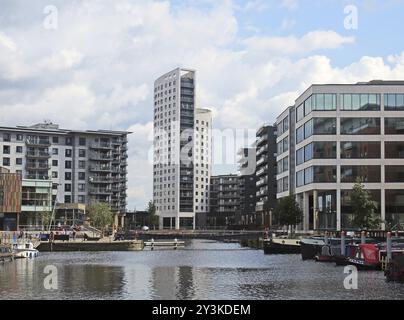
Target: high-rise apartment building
x=83 y=166
x=266 y=170
x=335 y=135
x=182 y=151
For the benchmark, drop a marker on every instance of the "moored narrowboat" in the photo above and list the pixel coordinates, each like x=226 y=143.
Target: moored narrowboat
x=281 y=246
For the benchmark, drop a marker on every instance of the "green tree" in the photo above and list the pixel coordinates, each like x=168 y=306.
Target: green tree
x=288 y=212
x=363 y=208
x=100 y=215
x=152 y=219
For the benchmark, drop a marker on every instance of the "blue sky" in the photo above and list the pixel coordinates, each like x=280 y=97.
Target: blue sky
x=253 y=58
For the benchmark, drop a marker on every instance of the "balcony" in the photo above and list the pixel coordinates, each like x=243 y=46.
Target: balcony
x=186 y=187
x=101 y=145
x=104 y=191
x=36 y=177
x=262 y=140
x=37 y=166
x=38 y=154
x=100 y=169
x=38 y=142
x=262 y=150
x=100 y=157
x=262 y=160
x=261 y=182
x=100 y=179
x=262 y=171
x=263 y=192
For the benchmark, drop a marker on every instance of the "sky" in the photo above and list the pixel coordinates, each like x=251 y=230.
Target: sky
x=92 y=64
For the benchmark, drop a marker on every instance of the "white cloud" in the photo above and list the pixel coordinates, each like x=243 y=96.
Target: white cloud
x=290 y=4
x=288 y=24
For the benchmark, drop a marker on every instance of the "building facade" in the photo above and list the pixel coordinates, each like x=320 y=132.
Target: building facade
x=224 y=200
x=337 y=134
x=182 y=151
x=247 y=187
x=10 y=200
x=83 y=166
x=266 y=171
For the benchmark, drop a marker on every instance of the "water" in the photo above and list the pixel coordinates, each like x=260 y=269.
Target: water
x=204 y=270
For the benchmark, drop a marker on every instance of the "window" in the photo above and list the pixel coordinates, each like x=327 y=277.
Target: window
x=20 y=137
x=6 y=162
x=68 y=176
x=360 y=102
x=82 y=153
x=82 y=187
x=322 y=102
x=300 y=178
x=394 y=149
x=300 y=156
x=18 y=161
x=18 y=149
x=68 y=164
x=324 y=150
x=394 y=125
x=68 y=199
x=324 y=126
x=82 y=164
x=82 y=199
x=82 y=141
x=82 y=176
x=6 y=137
x=68 y=153
x=360 y=126
x=54 y=174
x=360 y=150
x=308 y=152
x=395 y=206
x=69 y=141
x=286 y=184
x=369 y=174
x=6 y=149
x=55 y=163
x=299 y=113
x=394 y=173
x=300 y=134
x=55 y=140
x=394 y=102
x=308 y=175
x=68 y=187
x=325 y=174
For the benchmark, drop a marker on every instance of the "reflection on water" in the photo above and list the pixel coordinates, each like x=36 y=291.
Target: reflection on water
x=204 y=270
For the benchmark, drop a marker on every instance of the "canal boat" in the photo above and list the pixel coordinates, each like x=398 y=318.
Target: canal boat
x=281 y=246
x=24 y=250
x=366 y=257
x=6 y=254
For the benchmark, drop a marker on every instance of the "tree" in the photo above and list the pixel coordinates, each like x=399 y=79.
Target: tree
x=288 y=212
x=363 y=208
x=100 y=215
x=152 y=219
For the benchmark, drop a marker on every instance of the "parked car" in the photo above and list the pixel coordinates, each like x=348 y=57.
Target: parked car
x=145 y=228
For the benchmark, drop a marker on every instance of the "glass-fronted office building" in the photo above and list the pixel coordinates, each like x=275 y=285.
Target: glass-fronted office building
x=336 y=134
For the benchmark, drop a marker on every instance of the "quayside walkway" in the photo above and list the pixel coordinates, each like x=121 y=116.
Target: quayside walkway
x=219 y=235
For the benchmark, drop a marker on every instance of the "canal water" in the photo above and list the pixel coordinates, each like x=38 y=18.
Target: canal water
x=203 y=270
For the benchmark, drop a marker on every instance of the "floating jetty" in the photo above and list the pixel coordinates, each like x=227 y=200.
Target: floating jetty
x=6 y=254
x=56 y=246
x=164 y=244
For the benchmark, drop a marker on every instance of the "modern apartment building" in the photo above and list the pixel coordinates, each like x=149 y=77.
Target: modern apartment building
x=10 y=200
x=334 y=135
x=83 y=166
x=266 y=171
x=174 y=140
x=247 y=187
x=224 y=200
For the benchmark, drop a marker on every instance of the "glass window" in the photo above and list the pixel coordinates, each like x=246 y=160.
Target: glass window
x=82 y=176
x=280 y=186
x=324 y=150
x=308 y=106
x=286 y=184
x=68 y=176
x=308 y=129
x=18 y=149
x=68 y=153
x=394 y=125
x=82 y=141
x=351 y=174
x=393 y=102
x=394 y=173
x=308 y=175
x=300 y=156
x=319 y=102
x=324 y=126
x=55 y=139
x=82 y=153
x=360 y=126
x=355 y=102
x=300 y=178
x=285 y=144
x=394 y=149
x=300 y=134
x=286 y=124
x=360 y=150
x=280 y=148
x=395 y=206
x=308 y=152
x=286 y=164
x=347 y=102
x=329 y=102
x=324 y=174
x=299 y=113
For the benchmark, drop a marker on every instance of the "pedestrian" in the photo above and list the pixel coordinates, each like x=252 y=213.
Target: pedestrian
x=74 y=235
